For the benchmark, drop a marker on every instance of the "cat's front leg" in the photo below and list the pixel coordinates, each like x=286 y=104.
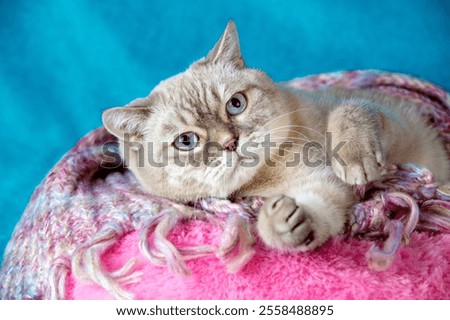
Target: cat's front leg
x=303 y=223
x=358 y=129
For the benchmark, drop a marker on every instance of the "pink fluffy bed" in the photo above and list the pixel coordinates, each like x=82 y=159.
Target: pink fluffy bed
x=336 y=271
x=92 y=233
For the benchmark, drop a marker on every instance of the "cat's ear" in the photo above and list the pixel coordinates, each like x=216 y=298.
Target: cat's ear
x=227 y=49
x=129 y=120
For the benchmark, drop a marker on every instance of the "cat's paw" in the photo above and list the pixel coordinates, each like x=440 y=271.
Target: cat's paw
x=284 y=225
x=360 y=163
x=360 y=159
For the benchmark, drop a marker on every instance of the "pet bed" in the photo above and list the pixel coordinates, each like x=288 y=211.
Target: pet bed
x=91 y=232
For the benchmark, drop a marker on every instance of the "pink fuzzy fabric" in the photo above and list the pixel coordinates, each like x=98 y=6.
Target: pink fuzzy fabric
x=338 y=270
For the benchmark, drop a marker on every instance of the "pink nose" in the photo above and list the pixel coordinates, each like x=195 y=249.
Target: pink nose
x=231 y=144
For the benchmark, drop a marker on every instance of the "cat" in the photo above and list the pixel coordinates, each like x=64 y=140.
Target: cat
x=221 y=129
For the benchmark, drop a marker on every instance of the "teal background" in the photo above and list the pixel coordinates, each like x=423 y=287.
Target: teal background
x=63 y=62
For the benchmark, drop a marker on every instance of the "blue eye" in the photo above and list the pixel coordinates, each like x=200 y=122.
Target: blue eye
x=186 y=141
x=237 y=104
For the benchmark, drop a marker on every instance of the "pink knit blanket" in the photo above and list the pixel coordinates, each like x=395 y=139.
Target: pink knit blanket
x=90 y=231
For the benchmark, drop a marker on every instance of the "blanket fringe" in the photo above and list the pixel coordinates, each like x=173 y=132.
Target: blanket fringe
x=405 y=199
x=164 y=252
x=86 y=266
x=236 y=236
x=236 y=244
x=57 y=279
x=379 y=259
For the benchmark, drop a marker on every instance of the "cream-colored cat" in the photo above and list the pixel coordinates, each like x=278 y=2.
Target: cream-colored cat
x=220 y=129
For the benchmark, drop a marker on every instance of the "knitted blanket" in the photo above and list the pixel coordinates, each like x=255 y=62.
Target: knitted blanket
x=90 y=231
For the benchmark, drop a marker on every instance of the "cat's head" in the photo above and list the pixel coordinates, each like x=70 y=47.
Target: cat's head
x=199 y=133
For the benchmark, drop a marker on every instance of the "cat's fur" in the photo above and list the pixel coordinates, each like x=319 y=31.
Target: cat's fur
x=306 y=204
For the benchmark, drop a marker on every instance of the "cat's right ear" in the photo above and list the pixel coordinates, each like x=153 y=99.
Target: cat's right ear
x=227 y=49
x=129 y=120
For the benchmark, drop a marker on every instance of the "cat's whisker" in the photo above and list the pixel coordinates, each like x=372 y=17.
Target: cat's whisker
x=288 y=138
x=286 y=148
x=284 y=140
x=301 y=134
x=278 y=160
x=281 y=116
x=294 y=131
x=290 y=143
x=278 y=157
x=294 y=144
x=293 y=126
x=299 y=127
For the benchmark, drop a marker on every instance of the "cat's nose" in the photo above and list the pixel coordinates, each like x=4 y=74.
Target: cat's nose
x=231 y=144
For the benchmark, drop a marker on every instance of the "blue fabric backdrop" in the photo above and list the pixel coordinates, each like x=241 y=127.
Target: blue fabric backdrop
x=63 y=62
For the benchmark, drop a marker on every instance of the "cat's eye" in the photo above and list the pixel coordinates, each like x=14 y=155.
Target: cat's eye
x=237 y=104
x=186 y=141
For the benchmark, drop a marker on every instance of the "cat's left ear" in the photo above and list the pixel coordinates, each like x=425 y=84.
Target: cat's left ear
x=129 y=120
x=227 y=49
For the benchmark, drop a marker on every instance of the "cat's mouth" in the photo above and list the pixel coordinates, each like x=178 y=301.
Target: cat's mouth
x=246 y=160
x=243 y=157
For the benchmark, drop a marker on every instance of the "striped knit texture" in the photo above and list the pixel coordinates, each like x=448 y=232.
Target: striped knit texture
x=82 y=208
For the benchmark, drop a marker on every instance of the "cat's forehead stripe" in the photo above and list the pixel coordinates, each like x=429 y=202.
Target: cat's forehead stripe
x=168 y=127
x=180 y=117
x=215 y=94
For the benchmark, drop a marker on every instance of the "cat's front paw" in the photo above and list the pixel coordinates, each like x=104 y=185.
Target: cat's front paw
x=360 y=161
x=357 y=127
x=284 y=225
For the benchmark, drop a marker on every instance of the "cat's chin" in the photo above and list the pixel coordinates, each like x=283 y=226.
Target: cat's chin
x=234 y=174
x=240 y=173
x=214 y=181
